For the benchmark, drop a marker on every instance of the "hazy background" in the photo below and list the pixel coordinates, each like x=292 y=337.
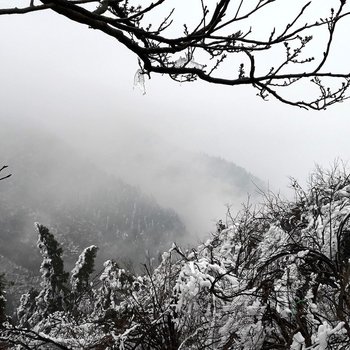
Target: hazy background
x=77 y=84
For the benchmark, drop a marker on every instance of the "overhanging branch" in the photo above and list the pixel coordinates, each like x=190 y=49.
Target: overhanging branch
x=217 y=40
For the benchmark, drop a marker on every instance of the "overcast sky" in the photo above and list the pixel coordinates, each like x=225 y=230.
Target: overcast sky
x=80 y=82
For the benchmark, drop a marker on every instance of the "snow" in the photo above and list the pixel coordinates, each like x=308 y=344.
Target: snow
x=237 y=290
x=298 y=342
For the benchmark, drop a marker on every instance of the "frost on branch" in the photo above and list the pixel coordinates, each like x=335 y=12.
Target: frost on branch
x=276 y=278
x=54 y=278
x=84 y=267
x=139 y=81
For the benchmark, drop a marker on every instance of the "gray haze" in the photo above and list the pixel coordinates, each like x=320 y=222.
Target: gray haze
x=78 y=83
x=198 y=187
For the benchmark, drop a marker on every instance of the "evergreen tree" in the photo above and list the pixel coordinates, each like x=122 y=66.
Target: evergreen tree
x=83 y=269
x=54 y=279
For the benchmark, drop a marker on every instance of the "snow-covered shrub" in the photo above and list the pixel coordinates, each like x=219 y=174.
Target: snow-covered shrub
x=275 y=278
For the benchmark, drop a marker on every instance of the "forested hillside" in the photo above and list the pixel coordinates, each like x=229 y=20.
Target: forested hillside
x=196 y=185
x=276 y=278
x=81 y=204
x=132 y=200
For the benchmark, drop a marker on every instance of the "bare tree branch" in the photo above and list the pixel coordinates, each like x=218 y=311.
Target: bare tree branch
x=6 y=176
x=227 y=32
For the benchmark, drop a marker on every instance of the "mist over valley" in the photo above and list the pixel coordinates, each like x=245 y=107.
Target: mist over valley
x=129 y=192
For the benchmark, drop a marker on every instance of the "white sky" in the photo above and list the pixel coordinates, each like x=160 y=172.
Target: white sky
x=80 y=82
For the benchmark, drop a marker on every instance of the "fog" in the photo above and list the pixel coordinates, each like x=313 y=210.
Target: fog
x=198 y=187
x=69 y=81
x=99 y=162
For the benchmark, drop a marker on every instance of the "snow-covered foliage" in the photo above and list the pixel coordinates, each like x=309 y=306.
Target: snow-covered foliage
x=83 y=269
x=275 y=278
x=53 y=282
x=2 y=299
x=34 y=305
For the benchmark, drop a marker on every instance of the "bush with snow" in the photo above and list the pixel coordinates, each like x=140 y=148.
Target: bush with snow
x=276 y=278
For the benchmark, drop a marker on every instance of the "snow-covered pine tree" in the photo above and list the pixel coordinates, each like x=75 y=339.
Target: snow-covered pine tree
x=52 y=296
x=81 y=290
x=84 y=267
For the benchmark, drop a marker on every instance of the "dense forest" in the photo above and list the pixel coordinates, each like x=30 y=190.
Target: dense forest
x=274 y=277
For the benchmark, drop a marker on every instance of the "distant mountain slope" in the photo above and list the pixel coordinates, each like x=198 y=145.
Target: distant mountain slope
x=72 y=184
x=232 y=174
x=54 y=185
x=197 y=186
